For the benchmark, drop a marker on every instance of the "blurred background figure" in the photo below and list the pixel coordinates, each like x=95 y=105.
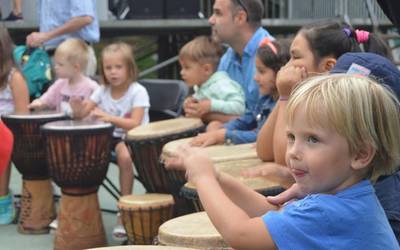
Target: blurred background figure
x=16 y=12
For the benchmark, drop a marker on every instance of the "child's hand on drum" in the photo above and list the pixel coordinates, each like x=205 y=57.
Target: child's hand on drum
x=194 y=161
x=36 y=104
x=101 y=115
x=77 y=105
x=288 y=77
x=209 y=138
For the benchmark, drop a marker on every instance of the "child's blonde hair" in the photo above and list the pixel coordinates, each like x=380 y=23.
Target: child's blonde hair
x=76 y=51
x=359 y=109
x=128 y=57
x=202 y=49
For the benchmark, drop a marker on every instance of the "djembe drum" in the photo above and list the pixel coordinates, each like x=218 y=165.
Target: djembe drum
x=217 y=153
x=142 y=215
x=193 y=231
x=78 y=154
x=145 y=143
x=262 y=185
x=29 y=156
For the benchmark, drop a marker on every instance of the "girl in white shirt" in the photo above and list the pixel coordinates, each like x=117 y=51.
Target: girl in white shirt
x=121 y=101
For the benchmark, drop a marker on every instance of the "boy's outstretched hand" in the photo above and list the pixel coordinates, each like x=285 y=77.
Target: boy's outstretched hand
x=194 y=161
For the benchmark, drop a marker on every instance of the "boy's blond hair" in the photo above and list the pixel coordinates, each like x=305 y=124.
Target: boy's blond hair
x=202 y=49
x=359 y=109
x=76 y=51
x=128 y=58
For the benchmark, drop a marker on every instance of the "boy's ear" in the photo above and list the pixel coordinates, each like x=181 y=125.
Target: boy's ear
x=208 y=68
x=363 y=157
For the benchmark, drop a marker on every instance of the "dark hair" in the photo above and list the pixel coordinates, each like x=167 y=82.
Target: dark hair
x=253 y=8
x=332 y=38
x=6 y=55
x=275 y=60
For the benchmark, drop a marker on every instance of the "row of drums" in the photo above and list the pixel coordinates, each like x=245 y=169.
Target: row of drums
x=76 y=155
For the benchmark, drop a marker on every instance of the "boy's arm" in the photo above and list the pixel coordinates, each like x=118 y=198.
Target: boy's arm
x=238 y=229
x=253 y=203
x=232 y=207
x=215 y=116
x=226 y=97
x=233 y=105
x=264 y=145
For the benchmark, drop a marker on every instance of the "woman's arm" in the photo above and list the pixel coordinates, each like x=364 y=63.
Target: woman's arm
x=264 y=145
x=20 y=93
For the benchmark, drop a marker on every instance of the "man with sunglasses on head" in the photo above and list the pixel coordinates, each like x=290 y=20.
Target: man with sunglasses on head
x=237 y=23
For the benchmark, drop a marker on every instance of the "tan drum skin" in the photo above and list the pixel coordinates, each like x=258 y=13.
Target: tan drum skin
x=193 y=231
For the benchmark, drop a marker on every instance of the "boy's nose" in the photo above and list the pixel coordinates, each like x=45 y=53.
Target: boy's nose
x=293 y=151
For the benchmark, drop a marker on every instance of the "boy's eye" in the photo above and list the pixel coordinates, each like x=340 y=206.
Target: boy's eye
x=290 y=137
x=312 y=139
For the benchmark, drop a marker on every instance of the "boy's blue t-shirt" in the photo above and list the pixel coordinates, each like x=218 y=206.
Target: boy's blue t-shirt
x=350 y=219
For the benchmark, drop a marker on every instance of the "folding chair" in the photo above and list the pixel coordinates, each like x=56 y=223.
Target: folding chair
x=166 y=97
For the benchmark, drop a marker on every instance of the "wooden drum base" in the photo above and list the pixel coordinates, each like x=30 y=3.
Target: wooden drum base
x=80 y=225
x=37 y=207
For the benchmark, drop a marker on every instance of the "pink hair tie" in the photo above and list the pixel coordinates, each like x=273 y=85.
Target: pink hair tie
x=362 y=36
x=267 y=42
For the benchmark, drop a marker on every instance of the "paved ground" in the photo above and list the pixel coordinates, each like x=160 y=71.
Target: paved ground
x=11 y=239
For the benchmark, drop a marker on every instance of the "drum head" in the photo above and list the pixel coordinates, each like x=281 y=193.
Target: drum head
x=234 y=168
x=76 y=125
x=193 y=230
x=145 y=201
x=36 y=115
x=217 y=153
x=164 y=128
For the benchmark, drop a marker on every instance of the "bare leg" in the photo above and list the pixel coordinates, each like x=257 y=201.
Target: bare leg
x=125 y=168
x=5 y=181
x=17 y=5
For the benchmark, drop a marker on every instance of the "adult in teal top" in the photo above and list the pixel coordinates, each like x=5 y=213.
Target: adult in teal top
x=238 y=24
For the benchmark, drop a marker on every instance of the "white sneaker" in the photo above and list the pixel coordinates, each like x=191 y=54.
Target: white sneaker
x=53 y=225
